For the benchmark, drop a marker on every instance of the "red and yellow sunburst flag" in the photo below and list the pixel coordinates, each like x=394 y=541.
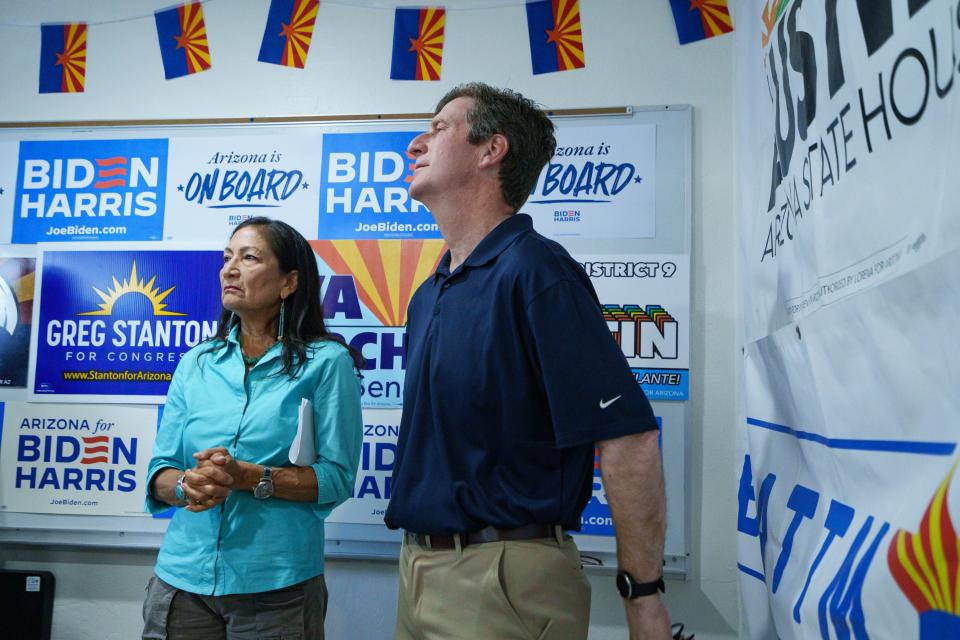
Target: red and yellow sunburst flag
x=183 y=40
x=700 y=19
x=63 y=57
x=925 y=567
x=556 y=35
x=386 y=272
x=289 y=30
x=418 y=43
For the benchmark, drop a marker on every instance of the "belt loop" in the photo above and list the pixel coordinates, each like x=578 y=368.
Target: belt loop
x=558 y=533
x=426 y=539
x=458 y=542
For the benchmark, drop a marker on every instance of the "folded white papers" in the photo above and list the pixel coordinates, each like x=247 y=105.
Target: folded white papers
x=302 y=451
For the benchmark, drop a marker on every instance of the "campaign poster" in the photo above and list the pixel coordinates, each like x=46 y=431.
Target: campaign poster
x=646 y=303
x=848 y=146
x=848 y=490
x=371 y=493
x=366 y=288
x=77 y=459
x=113 y=324
x=215 y=183
x=364 y=188
x=847 y=161
x=16 y=316
x=600 y=183
x=69 y=190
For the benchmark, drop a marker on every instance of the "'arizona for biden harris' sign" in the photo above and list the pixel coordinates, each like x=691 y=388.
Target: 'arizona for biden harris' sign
x=113 y=324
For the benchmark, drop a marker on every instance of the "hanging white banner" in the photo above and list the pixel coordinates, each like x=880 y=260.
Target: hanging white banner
x=848 y=438
x=849 y=126
x=849 y=139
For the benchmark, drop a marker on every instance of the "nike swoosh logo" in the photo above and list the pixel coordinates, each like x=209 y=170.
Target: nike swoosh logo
x=606 y=403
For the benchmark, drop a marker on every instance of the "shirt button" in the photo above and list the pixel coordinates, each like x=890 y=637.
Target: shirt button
x=436 y=310
x=446 y=285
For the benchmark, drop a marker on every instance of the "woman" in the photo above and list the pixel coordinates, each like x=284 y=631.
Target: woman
x=243 y=557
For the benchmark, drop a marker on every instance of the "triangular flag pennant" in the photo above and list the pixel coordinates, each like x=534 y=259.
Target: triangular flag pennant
x=289 y=30
x=183 y=40
x=63 y=57
x=418 y=43
x=700 y=19
x=556 y=37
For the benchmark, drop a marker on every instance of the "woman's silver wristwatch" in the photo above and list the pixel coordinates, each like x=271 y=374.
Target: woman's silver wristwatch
x=264 y=488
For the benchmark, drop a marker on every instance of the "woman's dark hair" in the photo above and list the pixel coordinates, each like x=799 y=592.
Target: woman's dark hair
x=303 y=321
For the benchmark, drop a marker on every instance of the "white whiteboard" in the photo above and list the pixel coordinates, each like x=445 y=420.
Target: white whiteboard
x=672 y=223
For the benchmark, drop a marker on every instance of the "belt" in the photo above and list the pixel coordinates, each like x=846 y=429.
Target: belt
x=487 y=534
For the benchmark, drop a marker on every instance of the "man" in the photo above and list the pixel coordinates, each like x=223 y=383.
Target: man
x=512 y=377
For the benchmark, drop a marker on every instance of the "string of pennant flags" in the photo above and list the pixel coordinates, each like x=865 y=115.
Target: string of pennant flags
x=554 y=27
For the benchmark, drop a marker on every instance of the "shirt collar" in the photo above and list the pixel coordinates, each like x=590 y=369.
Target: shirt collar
x=232 y=342
x=493 y=244
x=233 y=336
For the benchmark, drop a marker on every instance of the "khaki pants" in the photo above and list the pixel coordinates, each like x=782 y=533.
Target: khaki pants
x=517 y=590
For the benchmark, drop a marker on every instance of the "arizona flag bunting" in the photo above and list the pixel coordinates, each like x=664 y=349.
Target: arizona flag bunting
x=700 y=19
x=183 y=40
x=556 y=38
x=286 y=40
x=417 y=43
x=63 y=57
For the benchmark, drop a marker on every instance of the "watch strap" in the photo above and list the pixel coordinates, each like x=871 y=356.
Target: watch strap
x=178 y=488
x=640 y=589
x=630 y=589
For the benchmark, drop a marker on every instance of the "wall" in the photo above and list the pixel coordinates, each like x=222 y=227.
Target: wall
x=633 y=59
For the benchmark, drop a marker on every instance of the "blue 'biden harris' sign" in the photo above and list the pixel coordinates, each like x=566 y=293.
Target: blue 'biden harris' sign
x=113 y=325
x=364 y=189
x=90 y=190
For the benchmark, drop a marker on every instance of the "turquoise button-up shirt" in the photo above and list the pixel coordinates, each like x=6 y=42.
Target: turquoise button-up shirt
x=247 y=545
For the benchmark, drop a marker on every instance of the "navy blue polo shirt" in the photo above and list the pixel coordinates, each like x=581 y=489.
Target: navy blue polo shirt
x=512 y=376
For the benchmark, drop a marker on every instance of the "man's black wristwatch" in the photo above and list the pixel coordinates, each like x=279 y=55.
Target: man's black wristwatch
x=631 y=589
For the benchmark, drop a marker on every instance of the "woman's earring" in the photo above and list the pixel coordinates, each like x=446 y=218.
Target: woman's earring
x=283 y=305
